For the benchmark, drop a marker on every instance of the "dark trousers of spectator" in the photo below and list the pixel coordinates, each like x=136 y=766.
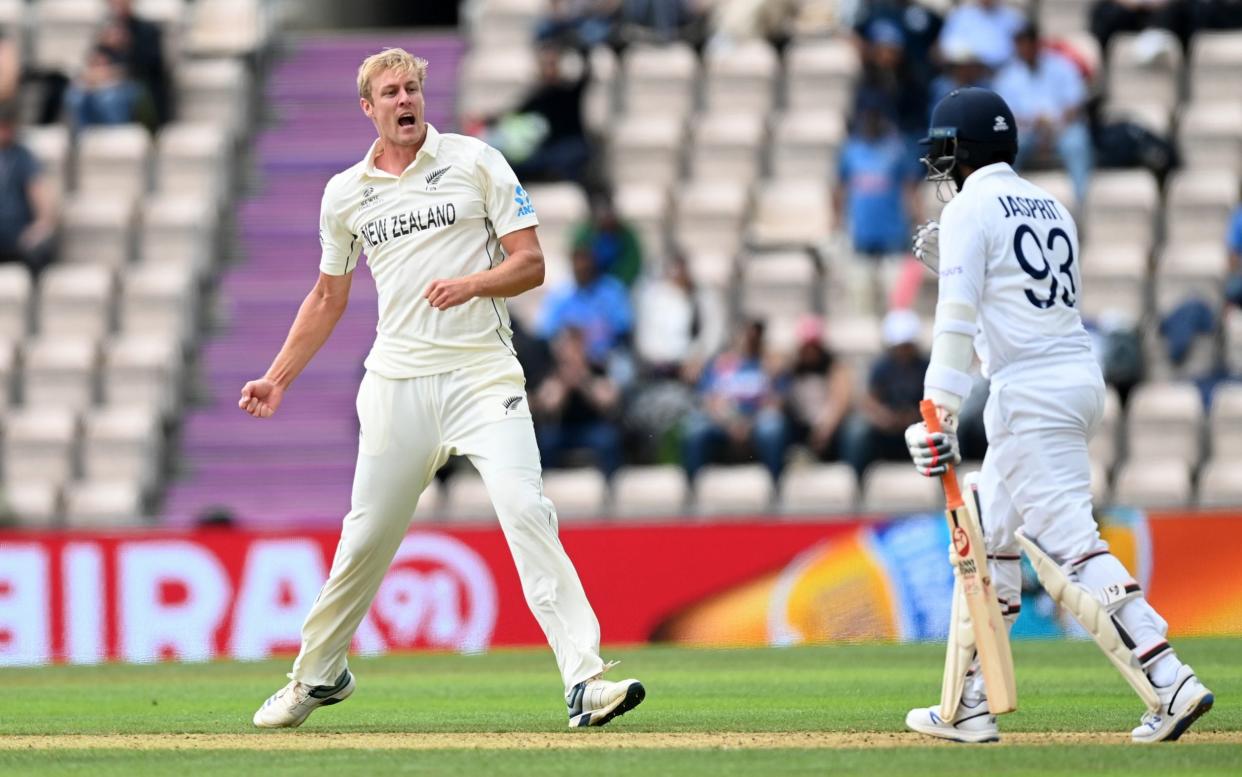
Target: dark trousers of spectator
x=1109 y=17
x=565 y=159
x=35 y=258
x=862 y=443
x=703 y=438
x=1233 y=289
x=602 y=438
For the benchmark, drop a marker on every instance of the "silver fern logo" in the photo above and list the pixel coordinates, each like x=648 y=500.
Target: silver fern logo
x=511 y=403
x=433 y=178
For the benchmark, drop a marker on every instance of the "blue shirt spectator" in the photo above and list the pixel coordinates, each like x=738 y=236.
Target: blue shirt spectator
x=878 y=176
x=1233 y=240
x=103 y=95
x=27 y=213
x=598 y=305
x=741 y=406
x=987 y=25
x=962 y=68
x=919 y=25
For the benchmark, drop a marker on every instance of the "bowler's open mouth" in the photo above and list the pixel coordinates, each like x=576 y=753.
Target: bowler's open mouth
x=406 y=120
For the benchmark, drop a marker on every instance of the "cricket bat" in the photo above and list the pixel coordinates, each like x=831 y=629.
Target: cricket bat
x=969 y=556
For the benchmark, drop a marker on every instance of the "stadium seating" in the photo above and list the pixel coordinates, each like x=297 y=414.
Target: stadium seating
x=1153 y=483
x=577 y=493
x=887 y=488
x=733 y=490
x=649 y=492
x=1165 y=420
x=822 y=489
x=92 y=360
x=730 y=156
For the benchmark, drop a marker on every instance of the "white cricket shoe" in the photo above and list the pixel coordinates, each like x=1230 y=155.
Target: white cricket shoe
x=1182 y=702
x=294 y=703
x=594 y=702
x=971 y=724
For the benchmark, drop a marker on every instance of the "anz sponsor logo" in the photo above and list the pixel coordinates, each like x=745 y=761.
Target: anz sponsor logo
x=522 y=198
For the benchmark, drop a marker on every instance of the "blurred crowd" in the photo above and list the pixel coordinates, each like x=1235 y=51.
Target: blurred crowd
x=627 y=365
x=122 y=80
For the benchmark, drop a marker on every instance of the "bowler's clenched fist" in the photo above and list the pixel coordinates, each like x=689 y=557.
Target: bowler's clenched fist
x=449 y=293
x=260 y=398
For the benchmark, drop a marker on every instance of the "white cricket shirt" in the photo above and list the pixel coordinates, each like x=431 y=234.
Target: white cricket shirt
x=442 y=217
x=1010 y=249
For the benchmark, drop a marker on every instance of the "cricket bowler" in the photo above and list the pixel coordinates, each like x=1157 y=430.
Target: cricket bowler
x=1008 y=259
x=449 y=233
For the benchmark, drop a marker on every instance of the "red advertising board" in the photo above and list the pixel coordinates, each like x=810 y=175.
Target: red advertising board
x=151 y=595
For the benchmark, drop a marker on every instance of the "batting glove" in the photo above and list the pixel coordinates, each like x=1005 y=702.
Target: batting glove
x=933 y=452
x=926 y=244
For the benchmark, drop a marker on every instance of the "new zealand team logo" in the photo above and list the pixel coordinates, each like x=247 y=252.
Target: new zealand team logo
x=522 y=198
x=433 y=178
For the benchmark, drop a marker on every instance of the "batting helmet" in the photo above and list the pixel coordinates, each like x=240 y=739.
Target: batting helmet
x=970 y=126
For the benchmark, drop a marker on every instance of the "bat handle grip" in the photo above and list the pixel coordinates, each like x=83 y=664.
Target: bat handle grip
x=952 y=493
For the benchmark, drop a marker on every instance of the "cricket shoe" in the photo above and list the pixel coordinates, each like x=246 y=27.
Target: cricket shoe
x=971 y=724
x=294 y=703
x=1182 y=702
x=594 y=702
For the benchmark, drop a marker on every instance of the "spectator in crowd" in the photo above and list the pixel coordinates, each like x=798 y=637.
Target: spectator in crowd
x=658 y=21
x=584 y=23
x=1233 y=283
x=920 y=27
x=887 y=72
x=1048 y=96
x=891 y=401
x=821 y=392
x=987 y=25
x=102 y=94
x=731 y=22
x=741 y=407
x=10 y=67
x=962 y=68
x=612 y=242
x=27 y=210
x=679 y=325
x=140 y=45
x=561 y=151
x=576 y=406
x=1216 y=15
x=598 y=305
x=878 y=192
x=1109 y=17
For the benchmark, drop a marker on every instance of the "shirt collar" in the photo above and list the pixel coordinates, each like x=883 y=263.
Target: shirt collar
x=995 y=168
x=431 y=146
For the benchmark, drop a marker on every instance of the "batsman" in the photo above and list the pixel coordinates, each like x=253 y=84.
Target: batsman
x=1007 y=256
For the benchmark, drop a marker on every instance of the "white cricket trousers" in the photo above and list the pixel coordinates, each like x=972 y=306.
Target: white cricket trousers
x=409 y=428
x=1037 y=476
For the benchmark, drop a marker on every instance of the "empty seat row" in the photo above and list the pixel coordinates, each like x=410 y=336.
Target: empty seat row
x=184 y=160
x=670 y=80
x=56 y=445
x=75 y=373
x=820 y=490
x=91 y=300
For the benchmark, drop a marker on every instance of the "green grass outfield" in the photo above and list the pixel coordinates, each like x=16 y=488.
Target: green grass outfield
x=819 y=710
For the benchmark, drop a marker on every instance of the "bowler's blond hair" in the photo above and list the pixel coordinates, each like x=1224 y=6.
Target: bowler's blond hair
x=399 y=60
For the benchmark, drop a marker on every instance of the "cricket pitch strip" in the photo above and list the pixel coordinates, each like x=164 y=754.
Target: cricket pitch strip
x=576 y=740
